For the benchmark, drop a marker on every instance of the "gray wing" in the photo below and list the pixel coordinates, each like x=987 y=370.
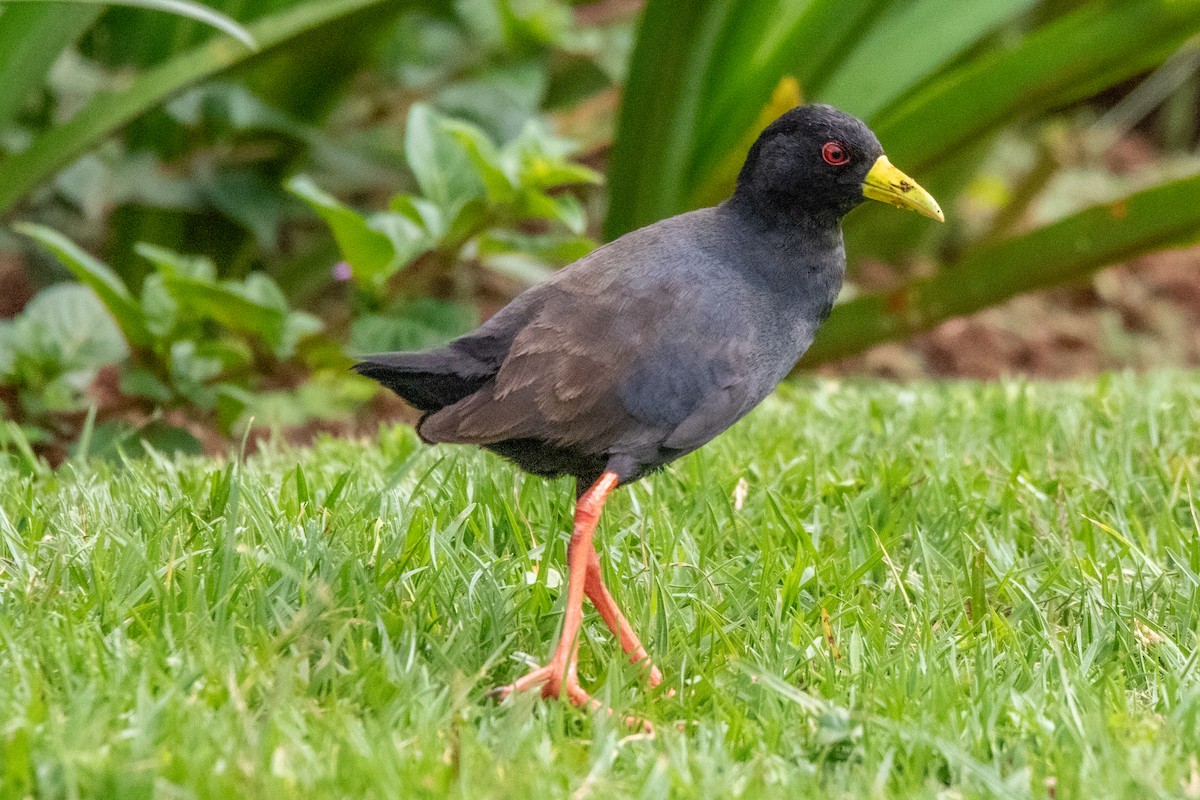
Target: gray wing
x=560 y=381
x=620 y=356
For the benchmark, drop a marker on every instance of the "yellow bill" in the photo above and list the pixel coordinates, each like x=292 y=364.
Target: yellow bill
x=887 y=184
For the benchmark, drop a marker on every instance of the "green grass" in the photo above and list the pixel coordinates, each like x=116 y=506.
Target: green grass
x=1011 y=575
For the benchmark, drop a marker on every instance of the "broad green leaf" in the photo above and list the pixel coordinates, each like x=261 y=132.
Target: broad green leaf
x=124 y=308
x=551 y=248
x=159 y=307
x=565 y=209
x=111 y=439
x=169 y=439
x=297 y=327
x=258 y=287
x=545 y=173
x=408 y=238
x=232 y=354
x=55 y=148
x=421 y=213
x=521 y=267
x=500 y=99
x=236 y=109
x=411 y=326
x=441 y=166
x=369 y=251
x=485 y=158
x=172 y=263
x=71 y=320
x=228 y=307
x=141 y=382
x=191 y=372
x=1163 y=216
x=469 y=220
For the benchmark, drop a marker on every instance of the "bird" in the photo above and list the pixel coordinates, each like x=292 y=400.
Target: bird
x=650 y=346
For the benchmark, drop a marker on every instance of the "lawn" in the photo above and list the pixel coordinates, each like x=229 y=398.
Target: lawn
x=934 y=590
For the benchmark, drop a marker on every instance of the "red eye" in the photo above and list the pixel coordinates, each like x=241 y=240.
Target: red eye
x=835 y=154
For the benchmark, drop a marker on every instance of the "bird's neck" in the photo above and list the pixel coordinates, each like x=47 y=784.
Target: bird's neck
x=782 y=211
x=799 y=256
x=786 y=240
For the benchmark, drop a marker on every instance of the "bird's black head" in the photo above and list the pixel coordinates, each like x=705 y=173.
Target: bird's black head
x=818 y=161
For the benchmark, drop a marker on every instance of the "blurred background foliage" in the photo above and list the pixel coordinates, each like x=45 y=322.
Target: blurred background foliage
x=210 y=207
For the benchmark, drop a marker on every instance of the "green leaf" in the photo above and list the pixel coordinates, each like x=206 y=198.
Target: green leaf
x=111 y=439
x=191 y=371
x=539 y=159
x=500 y=99
x=1046 y=69
x=660 y=111
x=69 y=319
x=420 y=151
x=171 y=263
x=260 y=288
x=53 y=149
x=485 y=158
x=468 y=221
x=564 y=208
x=31 y=38
x=1163 y=216
x=296 y=328
x=553 y=248
x=8 y=348
x=424 y=215
x=140 y=382
x=907 y=44
x=519 y=266
x=442 y=167
x=370 y=252
x=124 y=308
x=183 y=8
x=170 y=439
x=226 y=305
x=411 y=326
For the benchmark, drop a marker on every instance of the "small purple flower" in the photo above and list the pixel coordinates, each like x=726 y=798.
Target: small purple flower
x=342 y=271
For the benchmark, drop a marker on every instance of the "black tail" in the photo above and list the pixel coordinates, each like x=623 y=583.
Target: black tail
x=428 y=379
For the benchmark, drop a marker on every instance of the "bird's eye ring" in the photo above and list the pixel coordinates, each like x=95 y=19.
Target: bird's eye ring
x=835 y=154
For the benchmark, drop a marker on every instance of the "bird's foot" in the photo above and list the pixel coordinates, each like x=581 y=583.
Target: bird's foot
x=556 y=682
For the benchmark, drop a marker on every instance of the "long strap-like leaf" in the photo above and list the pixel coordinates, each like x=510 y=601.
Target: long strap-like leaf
x=1157 y=218
x=108 y=112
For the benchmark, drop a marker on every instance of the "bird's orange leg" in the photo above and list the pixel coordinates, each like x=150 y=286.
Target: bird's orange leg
x=602 y=599
x=559 y=674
